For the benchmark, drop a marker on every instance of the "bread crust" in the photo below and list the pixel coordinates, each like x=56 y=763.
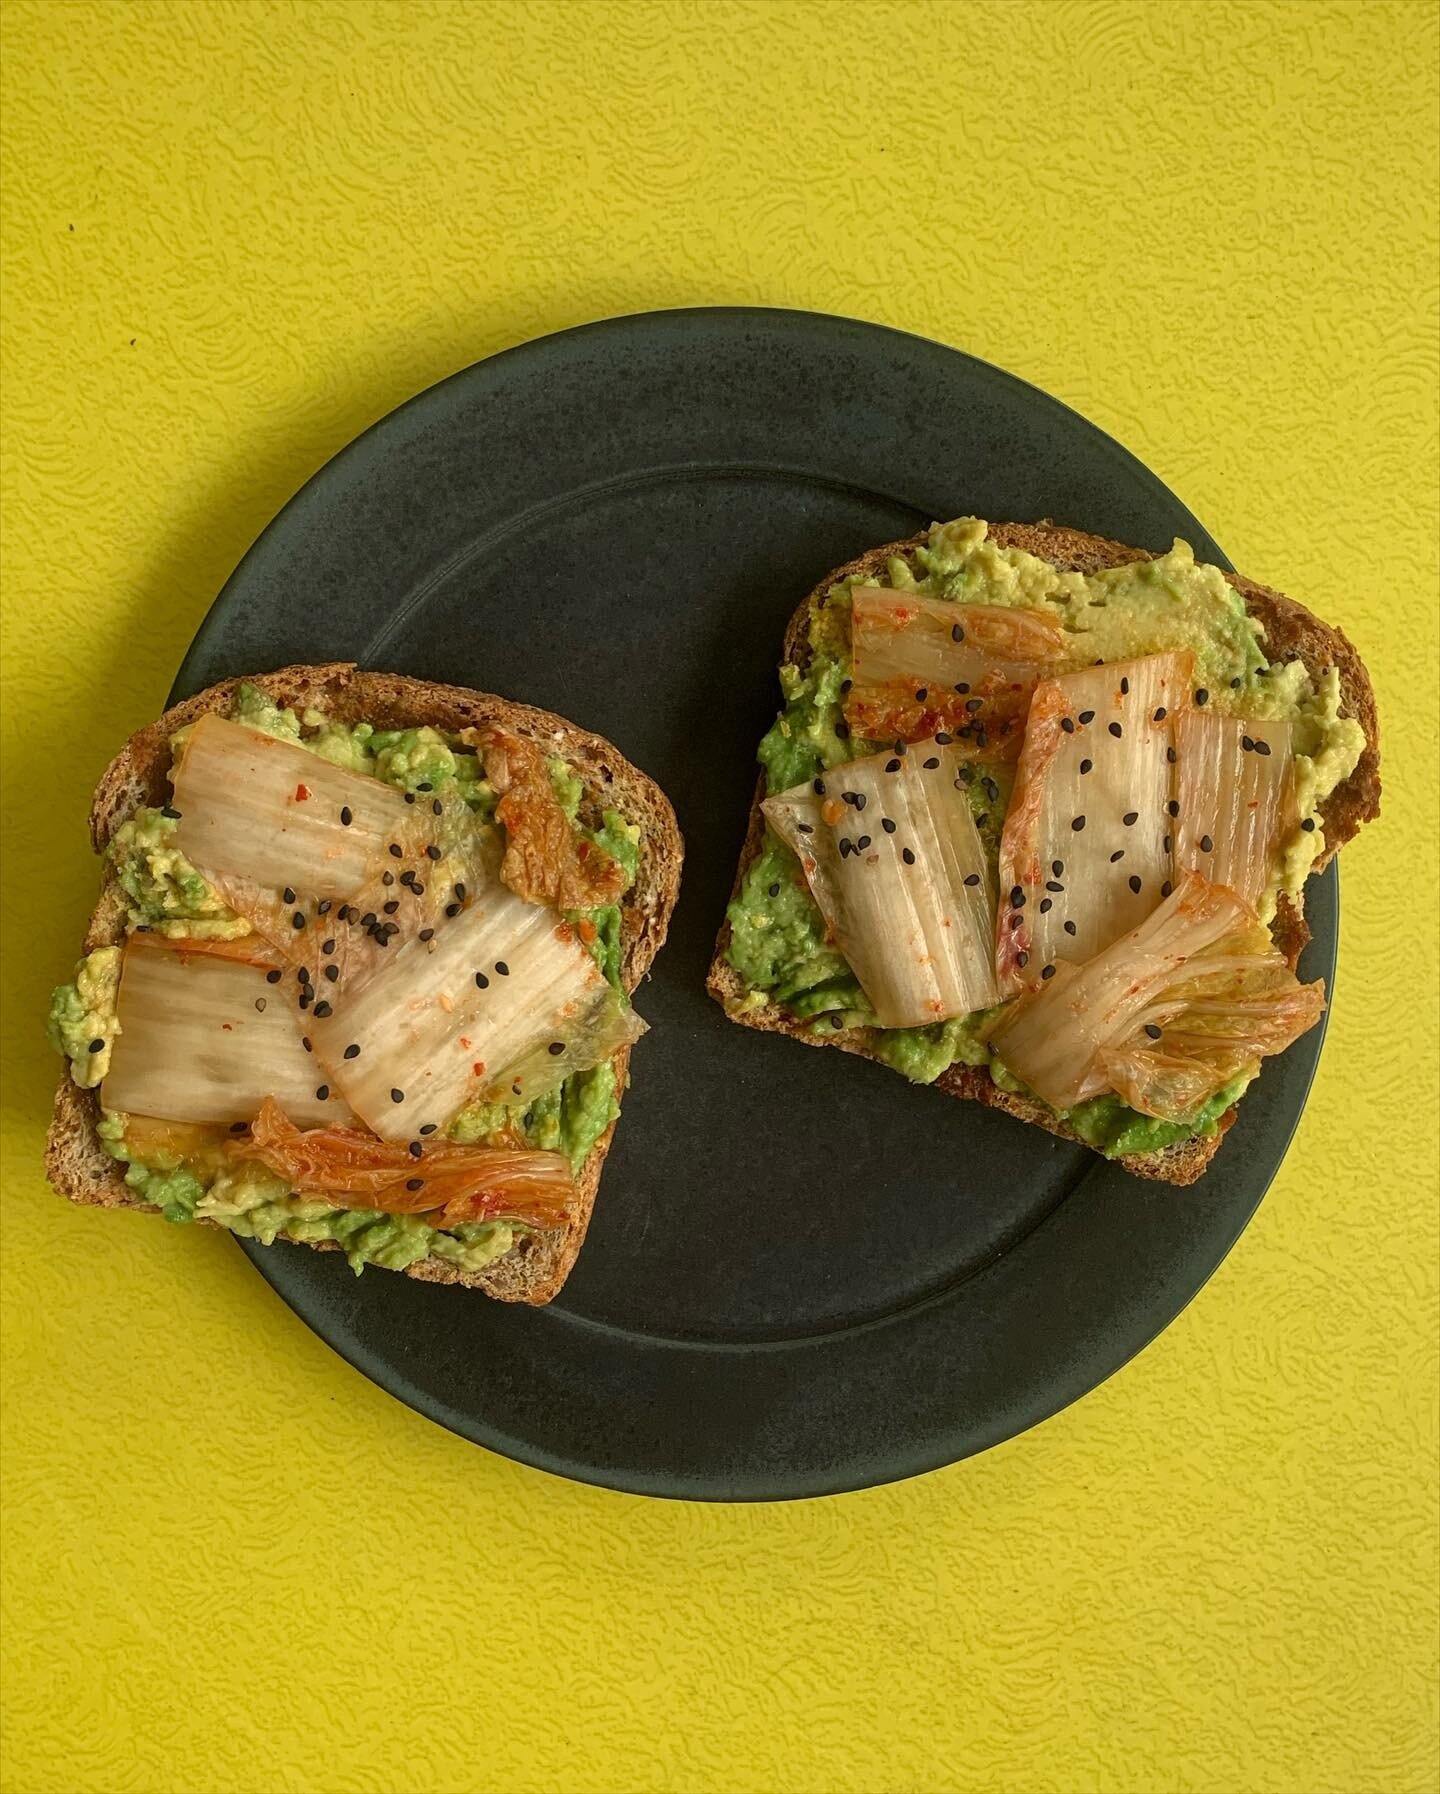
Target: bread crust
x=537 y=1265
x=1291 y=631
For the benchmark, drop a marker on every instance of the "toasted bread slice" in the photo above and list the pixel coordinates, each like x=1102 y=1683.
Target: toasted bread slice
x=536 y=1266
x=1291 y=632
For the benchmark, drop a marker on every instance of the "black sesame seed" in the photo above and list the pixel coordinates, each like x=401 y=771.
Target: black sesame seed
x=899 y=748
x=346 y=817
x=982 y=819
x=992 y=790
x=842 y=729
x=967 y=775
x=1069 y=928
x=1067 y=725
x=1088 y=716
x=1054 y=884
x=859 y=800
x=324 y=906
x=1124 y=687
x=170 y=811
x=302 y=974
x=407 y=878
x=1057 y=867
x=423 y=786
x=426 y=934
x=1078 y=824
x=804 y=828
x=305 y=1042
x=974 y=704
x=432 y=852
x=95 y=1046
x=931 y=763
x=845 y=685
x=1016 y=919
x=1046 y=905
x=1168 y=842
x=1247 y=742
x=1173 y=807
x=1159 y=716
x=1085 y=765
x=272 y=977
x=327 y=946
x=862 y=843
x=415 y=1148
x=922 y=694
x=307 y=997
x=459 y=893
x=1206 y=844
x=957 y=634
x=819 y=787
x=556 y=1048
x=390 y=907
x=369 y=919
x=387 y=878
x=297 y=920
x=395 y=849
x=332 y=972
x=972 y=879
x=1170 y=756
x=1262 y=748
x=908 y=855
x=847 y=847
x=238 y=1127
x=774 y=890
x=397 y=1096
x=1166 y=888
x=1152 y=1030
x=1236 y=683
x=1047 y=971
x=429 y=1128
x=323 y=1093
x=414 y=1183
x=1119 y=854
x=1135 y=883
x=416 y=888
x=1022 y=960
x=943 y=740
x=892 y=766
x=962 y=688
x=437 y=808
x=1017 y=897
x=287 y=895
x=352 y=1051
x=502 y=968
x=887 y=824
x=1116 y=730
x=409 y=797
x=1202 y=697
x=322 y=1010
x=1308 y=825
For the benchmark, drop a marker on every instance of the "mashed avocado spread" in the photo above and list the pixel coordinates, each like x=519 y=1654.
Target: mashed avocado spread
x=778 y=944
x=166 y=894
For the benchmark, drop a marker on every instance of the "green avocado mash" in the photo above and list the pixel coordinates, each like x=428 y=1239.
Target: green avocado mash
x=167 y=895
x=82 y=1021
x=778 y=941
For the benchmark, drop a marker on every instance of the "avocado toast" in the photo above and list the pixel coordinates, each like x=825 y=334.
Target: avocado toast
x=1264 y=714
x=460 y=822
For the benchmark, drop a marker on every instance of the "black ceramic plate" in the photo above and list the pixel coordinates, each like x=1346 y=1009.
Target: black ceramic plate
x=803 y=1275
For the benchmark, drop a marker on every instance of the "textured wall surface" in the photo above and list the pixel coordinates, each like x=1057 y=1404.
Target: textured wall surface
x=234 y=235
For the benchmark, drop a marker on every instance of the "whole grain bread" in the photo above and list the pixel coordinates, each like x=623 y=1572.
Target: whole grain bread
x=538 y=1264
x=1291 y=632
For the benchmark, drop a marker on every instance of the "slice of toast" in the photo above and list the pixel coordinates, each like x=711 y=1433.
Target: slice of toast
x=1291 y=632
x=536 y=1266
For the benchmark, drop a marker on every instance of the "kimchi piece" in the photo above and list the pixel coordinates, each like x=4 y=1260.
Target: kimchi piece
x=1086 y=852
x=449 y=1183
x=922 y=666
x=890 y=851
x=1166 y=1016
x=545 y=860
x=1236 y=793
x=204 y=1036
x=502 y=1003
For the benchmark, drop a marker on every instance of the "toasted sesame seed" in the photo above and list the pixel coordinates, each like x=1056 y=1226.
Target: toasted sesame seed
x=1077 y=824
x=272 y=977
x=972 y=879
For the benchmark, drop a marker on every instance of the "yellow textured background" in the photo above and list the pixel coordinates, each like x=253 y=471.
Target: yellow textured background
x=236 y=234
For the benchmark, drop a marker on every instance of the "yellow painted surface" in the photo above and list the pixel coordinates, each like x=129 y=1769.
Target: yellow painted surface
x=234 y=235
